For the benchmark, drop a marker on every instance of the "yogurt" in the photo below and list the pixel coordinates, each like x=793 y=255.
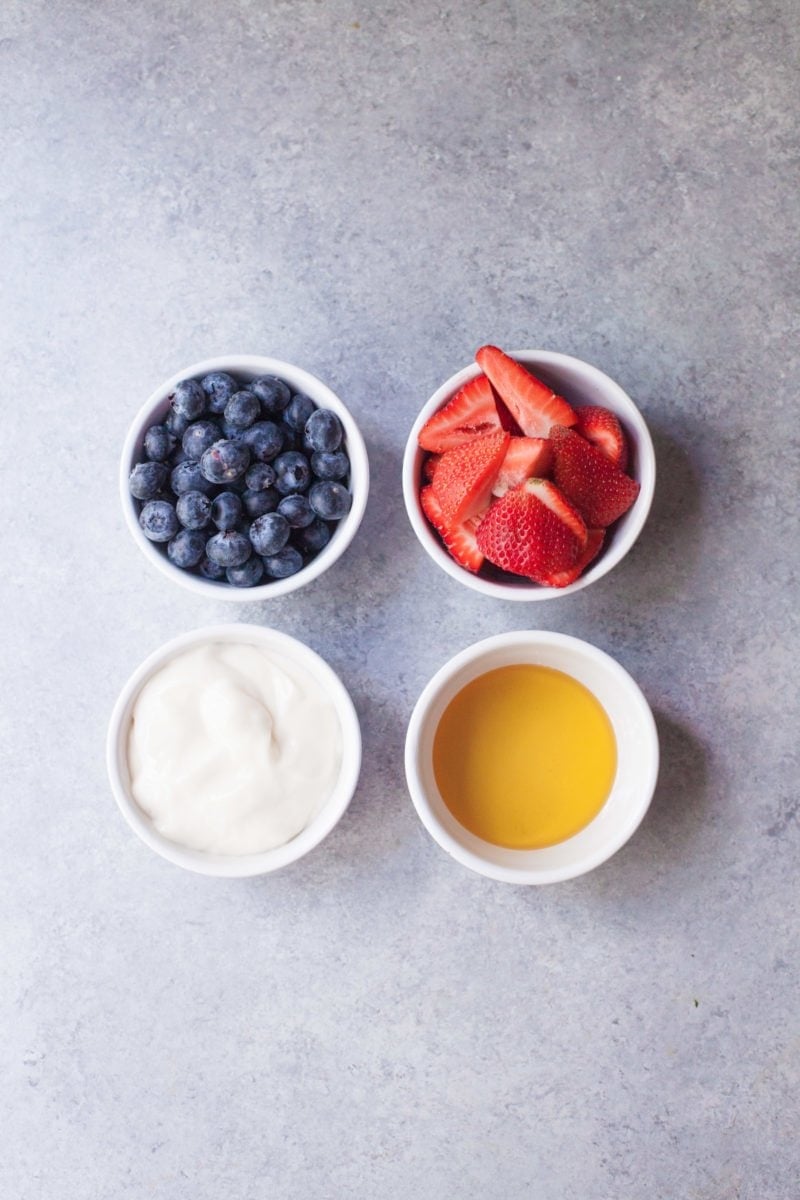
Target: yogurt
x=233 y=749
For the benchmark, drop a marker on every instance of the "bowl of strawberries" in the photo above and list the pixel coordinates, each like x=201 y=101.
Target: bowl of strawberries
x=528 y=475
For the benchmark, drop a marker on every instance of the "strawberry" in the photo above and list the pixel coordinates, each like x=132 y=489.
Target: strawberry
x=533 y=530
x=429 y=467
x=603 y=430
x=560 y=579
x=460 y=540
x=583 y=473
x=534 y=405
x=471 y=413
x=464 y=476
x=525 y=457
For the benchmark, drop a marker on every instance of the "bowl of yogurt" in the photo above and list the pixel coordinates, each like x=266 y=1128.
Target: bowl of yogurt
x=233 y=750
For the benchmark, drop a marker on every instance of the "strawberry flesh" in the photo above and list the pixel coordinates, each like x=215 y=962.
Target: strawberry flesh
x=561 y=579
x=465 y=475
x=533 y=404
x=603 y=430
x=471 y=413
x=525 y=532
x=460 y=540
x=525 y=457
x=595 y=486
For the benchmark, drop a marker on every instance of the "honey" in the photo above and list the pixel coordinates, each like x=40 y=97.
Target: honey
x=524 y=756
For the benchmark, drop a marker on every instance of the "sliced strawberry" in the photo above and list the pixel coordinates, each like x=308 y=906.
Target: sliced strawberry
x=534 y=405
x=583 y=473
x=464 y=476
x=525 y=457
x=471 y=413
x=603 y=430
x=429 y=467
x=460 y=540
x=561 y=579
x=532 y=531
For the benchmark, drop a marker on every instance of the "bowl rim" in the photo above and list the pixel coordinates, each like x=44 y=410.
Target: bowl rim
x=631 y=523
x=266 y=861
x=301 y=380
x=526 y=874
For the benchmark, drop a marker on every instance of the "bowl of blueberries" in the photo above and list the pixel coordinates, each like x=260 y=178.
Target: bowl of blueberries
x=243 y=478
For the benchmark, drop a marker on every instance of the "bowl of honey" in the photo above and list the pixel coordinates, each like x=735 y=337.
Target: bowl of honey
x=531 y=757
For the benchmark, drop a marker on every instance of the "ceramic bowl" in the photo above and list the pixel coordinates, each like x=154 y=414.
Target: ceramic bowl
x=637 y=757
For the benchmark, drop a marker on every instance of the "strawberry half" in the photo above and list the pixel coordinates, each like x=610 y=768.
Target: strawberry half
x=525 y=458
x=533 y=404
x=471 y=413
x=464 y=476
x=533 y=531
x=583 y=473
x=460 y=540
x=561 y=579
x=603 y=430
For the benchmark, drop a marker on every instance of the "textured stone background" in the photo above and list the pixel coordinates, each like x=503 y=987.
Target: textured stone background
x=372 y=193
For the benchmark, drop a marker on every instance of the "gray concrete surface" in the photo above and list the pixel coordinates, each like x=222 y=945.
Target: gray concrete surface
x=373 y=192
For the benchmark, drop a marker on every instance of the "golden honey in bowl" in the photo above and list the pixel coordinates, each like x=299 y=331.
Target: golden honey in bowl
x=524 y=756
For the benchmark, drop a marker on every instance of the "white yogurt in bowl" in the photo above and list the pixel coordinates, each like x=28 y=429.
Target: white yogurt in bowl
x=233 y=750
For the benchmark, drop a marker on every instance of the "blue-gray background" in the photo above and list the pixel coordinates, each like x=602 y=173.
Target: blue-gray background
x=372 y=192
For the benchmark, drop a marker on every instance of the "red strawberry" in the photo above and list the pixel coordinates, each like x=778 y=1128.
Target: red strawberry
x=532 y=531
x=534 y=405
x=471 y=413
x=525 y=458
x=599 y=489
x=464 y=476
x=603 y=430
x=460 y=540
x=560 y=579
x=429 y=467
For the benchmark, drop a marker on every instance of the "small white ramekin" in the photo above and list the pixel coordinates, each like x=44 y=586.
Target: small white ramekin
x=637 y=757
x=247 y=367
x=235 y=866
x=580 y=384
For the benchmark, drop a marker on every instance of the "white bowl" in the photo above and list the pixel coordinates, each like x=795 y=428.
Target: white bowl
x=580 y=384
x=637 y=757
x=246 y=864
x=247 y=367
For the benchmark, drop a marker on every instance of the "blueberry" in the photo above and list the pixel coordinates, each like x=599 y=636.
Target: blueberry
x=299 y=410
x=330 y=466
x=273 y=393
x=269 y=533
x=292 y=438
x=147 y=479
x=311 y=539
x=212 y=570
x=187 y=548
x=330 y=500
x=293 y=471
x=225 y=461
x=265 y=440
x=198 y=437
x=177 y=423
x=259 y=477
x=229 y=549
x=242 y=409
x=159 y=521
x=255 y=504
x=249 y=574
x=324 y=431
x=189 y=399
x=194 y=511
x=226 y=510
x=219 y=386
x=297 y=510
x=286 y=562
x=187 y=477
x=159 y=443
